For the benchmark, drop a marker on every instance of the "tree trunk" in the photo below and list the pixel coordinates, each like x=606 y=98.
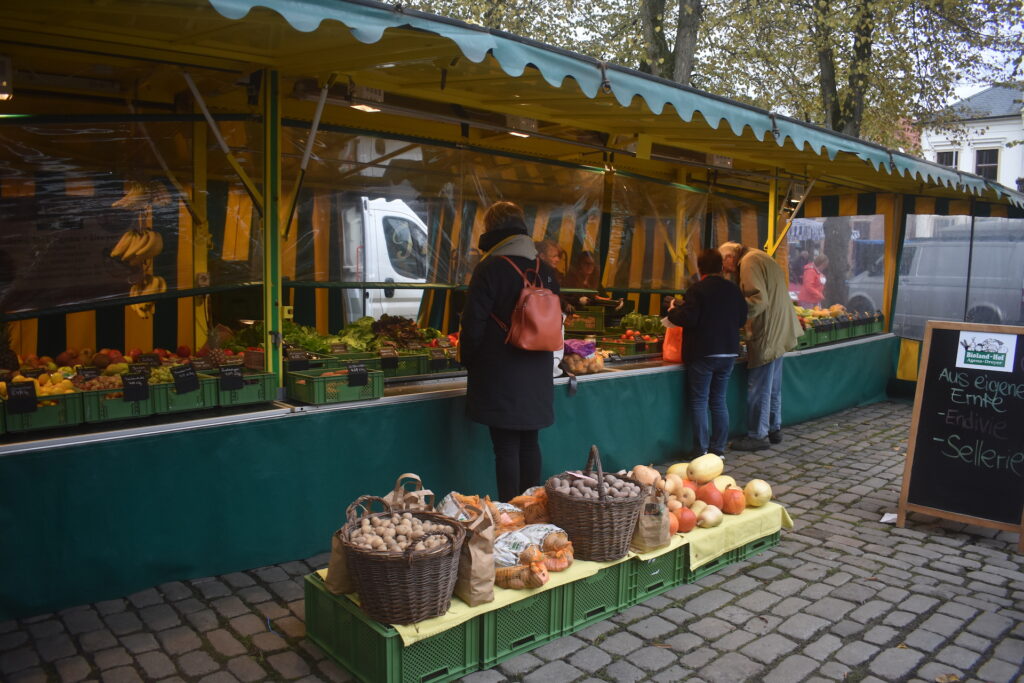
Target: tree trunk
x=652 y=18
x=826 y=64
x=691 y=13
x=860 y=65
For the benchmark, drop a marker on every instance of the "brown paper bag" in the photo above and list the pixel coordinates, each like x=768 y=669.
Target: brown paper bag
x=652 y=526
x=475 y=582
x=418 y=499
x=338 y=580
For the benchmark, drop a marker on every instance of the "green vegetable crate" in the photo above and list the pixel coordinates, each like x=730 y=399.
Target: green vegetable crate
x=651 y=577
x=374 y=653
x=106 y=405
x=167 y=400
x=62 y=410
x=521 y=626
x=309 y=386
x=597 y=597
x=625 y=347
x=406 y=365
x=257 y=387
x=586 y=320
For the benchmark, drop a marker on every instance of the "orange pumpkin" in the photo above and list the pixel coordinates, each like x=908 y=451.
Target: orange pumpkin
x=673 y=523
x=734 y=501
x=689 y=483
x=710 y=494
x=687 y=520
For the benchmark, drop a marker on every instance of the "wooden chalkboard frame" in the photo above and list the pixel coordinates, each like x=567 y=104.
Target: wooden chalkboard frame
x=904 y=505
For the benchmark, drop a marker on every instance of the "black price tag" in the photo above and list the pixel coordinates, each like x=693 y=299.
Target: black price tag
x=21 y=398
x=357 y=375
x=34 y=372
x=298 y=360
x=444 y=344
x=437 y=359
x=614 y=357
x=140 y=369
x=231 y=378
x=414 y=346
x=203 y=363
x=89 y=373
x=388 y=359
x=136 y=386
x=339 y=348
x=153 y=360
x=185 y=379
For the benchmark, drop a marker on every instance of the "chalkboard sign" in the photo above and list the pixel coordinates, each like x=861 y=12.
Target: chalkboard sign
x=357 y=375
x=339 y=348
x=388 y=359
x=231 y=378
x=89 y=373
x=151 y=359
x=21 y=398
x=185 y=379
x=201 y=363
x=298 y=360
x=136 y=386
x=965 y=459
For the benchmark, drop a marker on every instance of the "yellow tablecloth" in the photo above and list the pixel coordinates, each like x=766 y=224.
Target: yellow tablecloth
x=705 y=545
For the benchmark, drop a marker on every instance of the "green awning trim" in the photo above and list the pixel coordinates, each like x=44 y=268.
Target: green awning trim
x=368 y=20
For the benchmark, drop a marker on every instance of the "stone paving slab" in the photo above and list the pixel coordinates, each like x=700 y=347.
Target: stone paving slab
x=842 y=597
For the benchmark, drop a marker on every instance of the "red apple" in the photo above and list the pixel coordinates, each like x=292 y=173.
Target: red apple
x=184 y=351
x=135 y=352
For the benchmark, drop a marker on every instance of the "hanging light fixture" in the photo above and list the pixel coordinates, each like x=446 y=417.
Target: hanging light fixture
x=6 y=78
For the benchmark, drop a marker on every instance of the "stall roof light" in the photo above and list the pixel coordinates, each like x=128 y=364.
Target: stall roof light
x=6 y=90
x=518 y=134
x=365 y=107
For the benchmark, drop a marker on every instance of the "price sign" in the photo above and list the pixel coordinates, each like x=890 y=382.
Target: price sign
x=201 y=363
x=444 y=344
x=231 y=378
x=34 y=372
x=89 y=373
x=388 y=359
x=21 y=398
x=185 y=379
x=298 y=360
x=339 y=348
x=614 y=357
x=136 y=386
x=438 y=359
x=140 y=368
x=153 y=360
x=357 y=375
x=414 y=346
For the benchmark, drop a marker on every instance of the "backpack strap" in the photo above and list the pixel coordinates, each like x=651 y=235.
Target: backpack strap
x=526 y=281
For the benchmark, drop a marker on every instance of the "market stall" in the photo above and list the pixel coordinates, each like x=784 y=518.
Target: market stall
x=198 y=186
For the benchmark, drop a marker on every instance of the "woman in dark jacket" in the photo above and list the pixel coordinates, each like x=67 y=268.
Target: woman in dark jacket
x=509 y=390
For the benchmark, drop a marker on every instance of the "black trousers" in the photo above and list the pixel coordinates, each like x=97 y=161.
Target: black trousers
x=516 y=461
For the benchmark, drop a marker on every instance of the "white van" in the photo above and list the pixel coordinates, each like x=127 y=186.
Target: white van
x=933 y=284
x=382 y=241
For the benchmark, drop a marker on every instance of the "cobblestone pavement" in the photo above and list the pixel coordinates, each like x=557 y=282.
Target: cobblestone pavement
x=843 y=597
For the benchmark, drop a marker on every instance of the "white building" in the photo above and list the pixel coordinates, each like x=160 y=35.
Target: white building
x=992 y=143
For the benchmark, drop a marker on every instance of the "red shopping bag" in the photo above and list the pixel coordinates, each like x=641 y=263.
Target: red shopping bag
x=672 y=348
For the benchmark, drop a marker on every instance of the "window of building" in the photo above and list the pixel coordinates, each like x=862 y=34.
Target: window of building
x=986 y=163
x=950 y=158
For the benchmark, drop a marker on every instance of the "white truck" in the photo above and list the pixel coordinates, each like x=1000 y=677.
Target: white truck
x=383 y=241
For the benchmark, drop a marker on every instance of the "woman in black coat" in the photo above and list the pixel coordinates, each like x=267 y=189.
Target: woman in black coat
x=509 y=390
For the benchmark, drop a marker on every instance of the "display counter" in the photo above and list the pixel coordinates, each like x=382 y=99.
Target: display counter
x=102 y=514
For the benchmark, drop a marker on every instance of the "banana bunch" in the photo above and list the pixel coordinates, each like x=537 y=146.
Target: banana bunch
x=140 y=195
x=150 y=285
x=138 y=246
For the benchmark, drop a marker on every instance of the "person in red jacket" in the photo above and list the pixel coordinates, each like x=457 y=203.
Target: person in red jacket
x=812 y=289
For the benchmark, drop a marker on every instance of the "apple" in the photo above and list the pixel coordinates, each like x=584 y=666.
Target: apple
x=184 y=351
x=135 y=352
x=757 y=492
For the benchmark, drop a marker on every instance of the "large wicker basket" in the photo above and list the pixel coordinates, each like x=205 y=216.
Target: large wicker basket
x=600 y=529
x=402 y=587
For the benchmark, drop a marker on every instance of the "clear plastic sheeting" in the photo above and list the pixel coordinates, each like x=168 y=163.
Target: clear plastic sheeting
x=383 y=211
x=954 y=268
x=90 y=215
x=654 y=237
x=847 y=252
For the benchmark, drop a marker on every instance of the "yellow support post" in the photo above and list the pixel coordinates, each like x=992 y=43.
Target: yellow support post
x=773 y=214
x=200 y=234
x=273 y=298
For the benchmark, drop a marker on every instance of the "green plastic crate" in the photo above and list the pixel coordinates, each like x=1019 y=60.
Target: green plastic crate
x=373 y=652
x=167 y=400
x=878 y=324
x=824 y=334
x=521 y=626
x=757 y=545
x=258 y=387
x=629 y=348
x=651 y=577
x=106 y=405
x=596 y=597
x=807 y=339
x=720 y=562
x=843 y=330
x=586 y=320
x=309 y=387
x=408 y=365
x=66 y=412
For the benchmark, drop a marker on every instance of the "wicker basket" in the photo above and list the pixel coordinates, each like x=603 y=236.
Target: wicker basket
x=402 y=587
x=600 y=529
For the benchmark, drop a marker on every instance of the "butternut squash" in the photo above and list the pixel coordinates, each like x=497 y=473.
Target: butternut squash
x=705 y=468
